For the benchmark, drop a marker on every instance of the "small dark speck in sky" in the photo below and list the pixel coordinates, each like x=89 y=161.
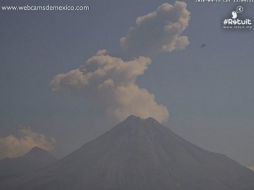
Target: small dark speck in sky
x=203 y=45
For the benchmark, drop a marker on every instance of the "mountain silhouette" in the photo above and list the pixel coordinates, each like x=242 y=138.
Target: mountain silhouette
x=32 y=161
x=140 y=154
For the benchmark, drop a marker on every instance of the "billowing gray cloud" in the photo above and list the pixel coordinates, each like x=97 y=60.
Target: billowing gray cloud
x=158 y=31
x=110 y=83
x=15 y=145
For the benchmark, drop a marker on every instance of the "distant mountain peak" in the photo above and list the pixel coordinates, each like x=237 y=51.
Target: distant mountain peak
x=37 y=149
x=34 y=160
x=37 y=152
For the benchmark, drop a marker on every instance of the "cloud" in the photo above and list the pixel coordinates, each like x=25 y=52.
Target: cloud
x=110 y=84
x=251 y=167
x=159 y=31
x=16 y=145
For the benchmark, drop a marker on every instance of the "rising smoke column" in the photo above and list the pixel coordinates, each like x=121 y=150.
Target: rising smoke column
x=110 y=83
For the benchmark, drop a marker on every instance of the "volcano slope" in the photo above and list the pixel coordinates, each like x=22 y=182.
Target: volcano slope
x=140 y=154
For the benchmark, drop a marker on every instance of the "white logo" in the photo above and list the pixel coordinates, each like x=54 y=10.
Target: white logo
x=234 y=15
x=237 y=21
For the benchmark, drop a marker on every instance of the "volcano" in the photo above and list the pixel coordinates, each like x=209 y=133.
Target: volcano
x=140 y=154
x=32 y=161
